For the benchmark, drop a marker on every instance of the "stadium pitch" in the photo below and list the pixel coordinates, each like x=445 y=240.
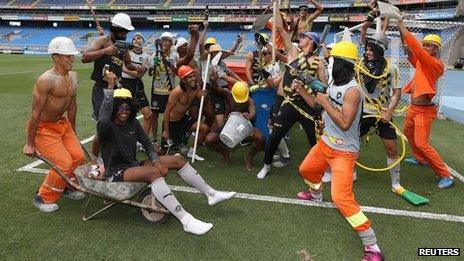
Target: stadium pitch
x=260 y=229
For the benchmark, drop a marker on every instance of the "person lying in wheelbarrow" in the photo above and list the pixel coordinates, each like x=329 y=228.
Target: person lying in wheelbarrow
x=119 y=131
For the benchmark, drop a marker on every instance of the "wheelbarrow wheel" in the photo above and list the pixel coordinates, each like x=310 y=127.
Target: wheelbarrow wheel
x=147 y=198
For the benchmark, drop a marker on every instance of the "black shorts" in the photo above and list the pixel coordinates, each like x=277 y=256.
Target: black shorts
x=179 y=131
x=159 y=102
x=118 y=175
x=275 y=108
x=97 y=98
x=218 y=102
x=384 y=130
x=135 y=86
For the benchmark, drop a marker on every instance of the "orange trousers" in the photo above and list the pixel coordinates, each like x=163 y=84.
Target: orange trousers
x=58 y=143
x=417 y=127
x=341 y=164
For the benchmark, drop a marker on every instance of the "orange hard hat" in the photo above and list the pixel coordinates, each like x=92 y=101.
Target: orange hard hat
x=183 y=71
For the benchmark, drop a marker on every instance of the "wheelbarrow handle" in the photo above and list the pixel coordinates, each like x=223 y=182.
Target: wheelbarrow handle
x=58 y=170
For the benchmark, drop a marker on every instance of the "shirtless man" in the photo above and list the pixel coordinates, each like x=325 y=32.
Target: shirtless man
x=51 y=128
x=424 y=57
x=103 y=51
x=304 y=21
x=177 y=124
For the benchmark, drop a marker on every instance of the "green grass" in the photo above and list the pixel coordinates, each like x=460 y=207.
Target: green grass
x=243 y=229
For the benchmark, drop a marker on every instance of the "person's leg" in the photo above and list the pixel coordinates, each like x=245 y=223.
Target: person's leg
x=97 y=99
x=311 y=170
x=147 y=119
x=257 y=145
x=49 y=143
x=212 y=141
x=388 y=136
x=342 y=165
x=423 y=124
x=164 y=195
x=154 y=124
x=284 y=121
x=309 y=128
x=74 y=148
x=190 y=176
x=409 y=133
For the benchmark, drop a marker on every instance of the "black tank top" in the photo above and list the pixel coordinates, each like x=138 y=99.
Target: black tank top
x=255 y=67
x=300 y=63
x=115 y=62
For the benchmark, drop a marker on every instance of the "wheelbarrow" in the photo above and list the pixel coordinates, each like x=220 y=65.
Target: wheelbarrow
x=114 y=192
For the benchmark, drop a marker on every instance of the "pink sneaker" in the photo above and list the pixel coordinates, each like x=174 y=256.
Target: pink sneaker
x=372 y=256
x=306 y=195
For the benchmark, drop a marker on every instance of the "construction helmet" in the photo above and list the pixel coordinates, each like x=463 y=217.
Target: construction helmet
x=122 y=93
x=167 y=35
x=122 y=20
x=345 y=50
x=210 y=41
x=433 y=39
x=379 y=39
x=62 y=45
x=183 y=71
x=240 y=92
x=180 y=41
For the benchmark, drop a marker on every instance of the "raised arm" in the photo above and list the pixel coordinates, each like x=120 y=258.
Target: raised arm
x=39 y=99
x=97 y=50
x=319 y=8
x=289 y=48
x=106 y=109
x=194 y=35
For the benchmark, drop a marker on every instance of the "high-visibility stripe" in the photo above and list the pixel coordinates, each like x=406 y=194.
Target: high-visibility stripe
x=313 y=185
x=357 y=219
x=53 y=188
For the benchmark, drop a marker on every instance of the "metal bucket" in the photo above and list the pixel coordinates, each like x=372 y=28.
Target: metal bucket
x=115 y=190
x=236 y=129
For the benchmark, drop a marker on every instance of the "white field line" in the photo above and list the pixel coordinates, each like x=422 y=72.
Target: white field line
x=377 y=210
x=33 y=71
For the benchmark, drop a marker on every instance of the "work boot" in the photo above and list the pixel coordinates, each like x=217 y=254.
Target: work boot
x=44 y=207
x=73 y=194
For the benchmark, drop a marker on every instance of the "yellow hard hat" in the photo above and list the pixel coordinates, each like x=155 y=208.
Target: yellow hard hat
x=240 y=92
x=122 y=93
x=433 y=38
x=210 y=41
x=346 y=50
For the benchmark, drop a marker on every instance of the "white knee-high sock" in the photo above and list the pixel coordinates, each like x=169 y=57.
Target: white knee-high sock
x=190 y=176
x=164 y=195
x=394 y=173
x=283 y=148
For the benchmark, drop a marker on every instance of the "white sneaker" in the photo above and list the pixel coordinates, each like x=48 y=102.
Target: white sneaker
x=220 y=196
x=44 y=207
x=73 y=194
x=190 y=154
x=195 y=226
x=263 y=172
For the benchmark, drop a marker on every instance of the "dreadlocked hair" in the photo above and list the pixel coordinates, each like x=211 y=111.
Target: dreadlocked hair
x=118 y=101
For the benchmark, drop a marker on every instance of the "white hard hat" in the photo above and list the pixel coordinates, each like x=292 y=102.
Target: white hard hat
x=167 y=35
x=122 y=20
x=180 y=41
x=62 y=45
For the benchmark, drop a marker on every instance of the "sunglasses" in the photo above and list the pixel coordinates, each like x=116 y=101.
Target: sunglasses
x=124 y=108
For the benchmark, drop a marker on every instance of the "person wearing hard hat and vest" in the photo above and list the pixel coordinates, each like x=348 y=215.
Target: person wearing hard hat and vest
x=107 y=51
x=132 y=80
x=51 y=128
x=238 y=100
x=422 y=111
x=119 y=133
x=177 y=124
x=339 y=146
x=163 y=82
x=293 y=109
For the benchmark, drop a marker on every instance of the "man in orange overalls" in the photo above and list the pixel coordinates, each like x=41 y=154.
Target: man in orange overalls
x=422 y=111
x=50 y=131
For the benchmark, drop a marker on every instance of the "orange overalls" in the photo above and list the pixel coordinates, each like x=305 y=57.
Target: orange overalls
x=418 y=121
x=58 y=143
